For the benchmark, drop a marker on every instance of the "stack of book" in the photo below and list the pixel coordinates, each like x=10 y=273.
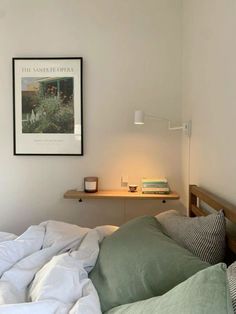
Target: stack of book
x=155 y=186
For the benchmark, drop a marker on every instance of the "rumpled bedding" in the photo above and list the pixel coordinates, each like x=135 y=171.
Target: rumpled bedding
x=45 y=270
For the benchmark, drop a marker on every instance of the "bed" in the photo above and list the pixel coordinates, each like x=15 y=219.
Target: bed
x=148 y=265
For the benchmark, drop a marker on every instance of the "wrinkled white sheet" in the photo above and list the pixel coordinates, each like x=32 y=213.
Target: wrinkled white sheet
x=45 y=270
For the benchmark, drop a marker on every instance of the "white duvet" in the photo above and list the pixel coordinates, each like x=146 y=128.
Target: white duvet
x=45 y=270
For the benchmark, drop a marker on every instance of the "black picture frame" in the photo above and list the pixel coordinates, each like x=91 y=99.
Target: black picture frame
x=44 y=89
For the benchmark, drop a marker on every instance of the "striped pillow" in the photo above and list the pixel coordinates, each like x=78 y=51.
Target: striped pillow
x=231 y=274
x=203 y=236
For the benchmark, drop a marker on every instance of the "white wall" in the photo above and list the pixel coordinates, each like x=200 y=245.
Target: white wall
x=132 y=54
x=209 y=93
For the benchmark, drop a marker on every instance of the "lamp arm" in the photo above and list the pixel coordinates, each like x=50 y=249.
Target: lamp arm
x=175 y=128
x=186 y=126
x=157 y=118
x=164 y=119
x=170 y=128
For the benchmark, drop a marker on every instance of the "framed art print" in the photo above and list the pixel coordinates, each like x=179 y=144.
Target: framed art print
x=48 y=108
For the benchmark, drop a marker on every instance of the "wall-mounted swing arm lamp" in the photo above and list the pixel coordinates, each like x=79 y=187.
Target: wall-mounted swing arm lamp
x=140 y=116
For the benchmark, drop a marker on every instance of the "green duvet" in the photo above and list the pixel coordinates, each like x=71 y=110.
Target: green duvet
x=204 y=293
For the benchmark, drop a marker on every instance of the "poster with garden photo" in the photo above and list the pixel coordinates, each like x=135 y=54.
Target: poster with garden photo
x=47 y=106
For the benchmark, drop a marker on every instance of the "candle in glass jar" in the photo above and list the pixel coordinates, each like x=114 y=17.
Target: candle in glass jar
x=91 y=184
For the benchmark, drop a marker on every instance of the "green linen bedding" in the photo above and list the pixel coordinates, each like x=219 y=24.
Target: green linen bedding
x=204 y=293
x=138 y=262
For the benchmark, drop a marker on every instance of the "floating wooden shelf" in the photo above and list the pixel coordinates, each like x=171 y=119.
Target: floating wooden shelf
x=119 y=194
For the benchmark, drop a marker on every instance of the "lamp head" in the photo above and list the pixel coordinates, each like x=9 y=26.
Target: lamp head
x=139 y=117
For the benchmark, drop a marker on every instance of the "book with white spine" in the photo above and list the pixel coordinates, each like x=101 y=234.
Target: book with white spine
x=166 y=189
x=154 y=180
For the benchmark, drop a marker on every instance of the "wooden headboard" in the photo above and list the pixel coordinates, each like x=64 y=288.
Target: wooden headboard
x=197 y=194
